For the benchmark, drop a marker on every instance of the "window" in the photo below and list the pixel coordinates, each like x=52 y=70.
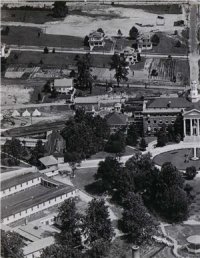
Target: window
x=154 y=121
x=166 y=122
x=160 y=122
x=149 y=122
x=172 y=121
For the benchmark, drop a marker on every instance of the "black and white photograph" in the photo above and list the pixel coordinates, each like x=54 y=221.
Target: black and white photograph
x=100 y=129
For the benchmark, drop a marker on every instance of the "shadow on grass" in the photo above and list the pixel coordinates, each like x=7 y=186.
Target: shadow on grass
x=95 y=188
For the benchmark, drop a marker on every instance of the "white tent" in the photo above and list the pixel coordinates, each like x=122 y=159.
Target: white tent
x=36 y=113
x=15 y=113
x=26 y=113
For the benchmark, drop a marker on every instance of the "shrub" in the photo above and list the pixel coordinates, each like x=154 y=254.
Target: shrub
x=155 y=40
x=46 y=50
x=133 y=33
x=190 y=173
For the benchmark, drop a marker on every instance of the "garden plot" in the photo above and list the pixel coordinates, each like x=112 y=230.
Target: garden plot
x=173 y=70
x=14 y=95
x=79 y=25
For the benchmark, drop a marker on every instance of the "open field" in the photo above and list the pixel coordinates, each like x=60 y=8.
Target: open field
x=177 y=158
x=20 y=35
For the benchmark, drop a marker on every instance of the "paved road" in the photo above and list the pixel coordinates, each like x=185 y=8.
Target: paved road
x=78 y=51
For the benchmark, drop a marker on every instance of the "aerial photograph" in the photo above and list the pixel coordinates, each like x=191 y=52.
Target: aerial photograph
x=100 y=129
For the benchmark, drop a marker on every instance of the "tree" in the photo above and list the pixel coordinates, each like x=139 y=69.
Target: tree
x=54 y=50
x=119 y=33
x=60 y=9
x=143 y=144
x=60 y=251
x=72 y=74
x=116 y=143
x=178 y=43
x=84 y=76
x=136 y=222
x=11 y=245
x=13 y=148
x=133 y=33
x=90 y=131
x=108 y=173
x=119 y=64
x=101 y=30
x=190 y=173
x=46 y=50
x=47 y=87
x=178 y=126
x=73 y=158
x=86 y=41
x=99 y=249
x=97 y=222
x=69 y=222
x=37 y=153
x=132 y=136
x=155 y=40
x=162 y=138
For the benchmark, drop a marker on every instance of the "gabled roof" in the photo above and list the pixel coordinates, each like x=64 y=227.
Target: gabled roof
x=48 y=161
x=192 y=112
x=64 y=82
x=164 y=102
x=19 y=180
x=116 y=119
x=38 y=245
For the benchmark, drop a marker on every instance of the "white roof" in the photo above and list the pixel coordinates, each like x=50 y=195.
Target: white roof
x=65 y=82
x=15 y=113
x=26 y=113
x=49 y=160
x=195 y=239
x=38 y=245
x=36 y=113
x=86 y=100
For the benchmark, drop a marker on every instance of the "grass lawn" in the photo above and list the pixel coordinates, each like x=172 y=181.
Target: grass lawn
x=103 y=154
x=84 y=176
x=167 y=46
x=20 y=35
x=27 y=16
x=177 y=158
x=158 y=9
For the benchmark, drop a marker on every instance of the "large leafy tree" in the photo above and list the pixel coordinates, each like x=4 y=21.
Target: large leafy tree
x=69 y=222
x=85 y=134
x=119 y=64
x=60 y=9
x=133 y=33
x=108 y=173
x=60 y=251
x=136 y=222
x=84 y=76
x=14 y=148
x=99 y=249
x=97 y=222
x=116 y=143
x=132 y=136
x=11 y=245
x=73 y=158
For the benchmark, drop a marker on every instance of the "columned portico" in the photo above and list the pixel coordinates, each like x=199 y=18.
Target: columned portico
x=191 y=125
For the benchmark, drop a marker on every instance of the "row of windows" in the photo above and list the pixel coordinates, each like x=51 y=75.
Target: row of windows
x=9 y=189
x=26 y=211
x=161 y=122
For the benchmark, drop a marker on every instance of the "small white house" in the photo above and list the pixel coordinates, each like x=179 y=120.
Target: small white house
x=145 y=43
x=64 y=85
x=131 y=55
x=96 y=39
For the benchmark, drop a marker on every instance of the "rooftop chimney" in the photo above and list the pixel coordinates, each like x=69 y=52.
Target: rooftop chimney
x=135 y=251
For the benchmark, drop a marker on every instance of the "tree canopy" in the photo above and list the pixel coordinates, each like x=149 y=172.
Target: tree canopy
x=11 y=245
x=119 y=64
x=60 y=9
x=133 y=33
x=97 y=222
x=85 y=134
x=116 y=143
x=60 y=251
x=132 y=136
x=68 y=220
x=136 y=222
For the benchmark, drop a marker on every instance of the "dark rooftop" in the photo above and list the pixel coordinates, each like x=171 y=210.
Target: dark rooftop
x=31 y=197
x=116 y=119
x=174 y=103
x=19 y=180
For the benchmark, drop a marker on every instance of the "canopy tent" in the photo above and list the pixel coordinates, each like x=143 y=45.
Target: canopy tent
x=15 y=113
x=36 y=113
x=26 y=113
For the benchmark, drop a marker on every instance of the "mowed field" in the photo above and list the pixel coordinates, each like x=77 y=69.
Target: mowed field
x=28 y=36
